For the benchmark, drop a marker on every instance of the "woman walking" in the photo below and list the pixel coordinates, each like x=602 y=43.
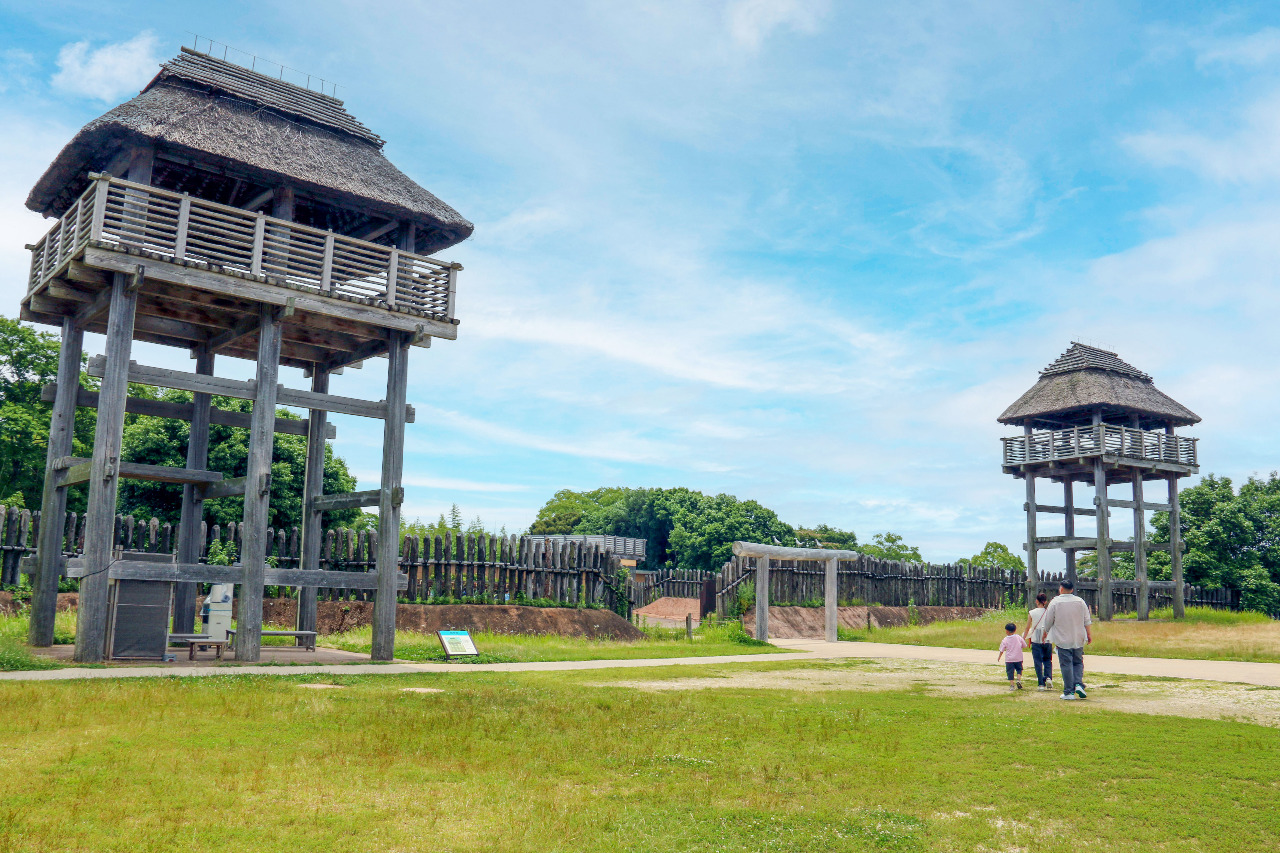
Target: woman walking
x=1041 y=649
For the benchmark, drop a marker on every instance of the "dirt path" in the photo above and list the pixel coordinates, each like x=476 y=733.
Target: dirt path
x=1204 y=700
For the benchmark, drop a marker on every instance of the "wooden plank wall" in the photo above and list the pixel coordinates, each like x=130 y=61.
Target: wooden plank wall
x=891 y=583
x=449 y=567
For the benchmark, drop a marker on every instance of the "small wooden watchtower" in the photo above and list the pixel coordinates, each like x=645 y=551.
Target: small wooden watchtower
x=224 y=211
x=1093 y=418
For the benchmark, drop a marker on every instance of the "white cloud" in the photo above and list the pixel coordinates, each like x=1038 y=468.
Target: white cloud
x=109 y=72
x=1245 y=151
x=752 y=21
x=1255 y=49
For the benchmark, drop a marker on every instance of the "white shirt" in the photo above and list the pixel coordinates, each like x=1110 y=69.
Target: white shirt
x=1037 y=633
x=1065 y=620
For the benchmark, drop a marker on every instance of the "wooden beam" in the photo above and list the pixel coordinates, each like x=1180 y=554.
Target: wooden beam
x=230 y=487
x=1032 y=582
x=247 y=326
x=253 y=528
x=377 y=231
x=164 y=377
x=163 y=270
x=146 y=570
x=1154 y=507
x=259 y=200
x=184 y=411
x=312 y=488
x=830 y=599
x=352 y=500
x=1104 y=604
x=1062 y=510
x=780 y=552
x=91 y=621
x=1175 y=549
x=80 y=471
x=1140 y=551
x=368 y=349
x=91 y=310
x=1069 y=523
x=53 y=503
x=190 y=539
x=391 y=496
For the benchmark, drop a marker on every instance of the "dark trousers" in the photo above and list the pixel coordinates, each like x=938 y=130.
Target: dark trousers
x=1042 y=655
x=1071 y=662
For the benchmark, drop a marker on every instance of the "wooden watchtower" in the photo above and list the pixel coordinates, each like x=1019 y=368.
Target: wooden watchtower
x=1092 y=418
x=226 y=212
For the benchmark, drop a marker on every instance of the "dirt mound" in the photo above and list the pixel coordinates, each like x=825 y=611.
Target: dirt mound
x=797 y=623
x=66 y=601
x=671 y=608
x=333 y=617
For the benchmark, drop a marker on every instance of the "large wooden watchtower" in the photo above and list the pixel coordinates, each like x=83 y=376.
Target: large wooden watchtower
x=226 y=212
x=1092 y=418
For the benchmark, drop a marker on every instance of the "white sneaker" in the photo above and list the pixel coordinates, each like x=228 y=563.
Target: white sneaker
x=1048 y=684
x=1068 y=697
x=1011 y=687
x=1042 y=687
x=1080 y=691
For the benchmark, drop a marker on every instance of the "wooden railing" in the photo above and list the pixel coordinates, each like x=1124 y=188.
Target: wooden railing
x=121 y=214
x=1081 y=442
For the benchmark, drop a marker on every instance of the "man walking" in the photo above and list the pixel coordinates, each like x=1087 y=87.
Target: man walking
x=1066 y=625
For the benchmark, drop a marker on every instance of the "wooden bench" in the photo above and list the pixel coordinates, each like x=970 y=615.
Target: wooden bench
x=204 y=642
x=308 y=637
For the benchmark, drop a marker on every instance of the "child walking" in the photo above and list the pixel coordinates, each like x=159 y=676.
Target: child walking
x=1011 y=650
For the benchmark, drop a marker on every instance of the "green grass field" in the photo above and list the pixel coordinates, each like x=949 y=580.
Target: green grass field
x=555 y=762
x=722 y=638
x=725 y=638
x=1204 y=634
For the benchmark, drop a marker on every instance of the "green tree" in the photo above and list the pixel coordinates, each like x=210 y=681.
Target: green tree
x=890 y=546
x=28 y=361
x=681 y=528
x=995 y=556
x=827 y=537
x=163 y=441
x=1233 y=538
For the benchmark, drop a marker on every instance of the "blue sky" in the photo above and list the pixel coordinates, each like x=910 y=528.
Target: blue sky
x=800 y=252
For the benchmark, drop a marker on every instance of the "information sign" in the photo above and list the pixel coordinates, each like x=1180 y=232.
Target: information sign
x=457 y=643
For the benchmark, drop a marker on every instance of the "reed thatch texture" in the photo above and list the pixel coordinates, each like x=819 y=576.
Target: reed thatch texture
x=1086 y=378
x=214 y=121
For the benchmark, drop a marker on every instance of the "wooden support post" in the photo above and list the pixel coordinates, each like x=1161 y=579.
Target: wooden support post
x=190 y=542
x=1140 y=548
x=257 y=493
x=762 y=598
x=1104 y=540
x=91 y=621
x=384 y=605
x=1175 y=549
x=832 y=602
x=1033 y=557
x=313 y=487
x=53 y=504
x=1069 y=525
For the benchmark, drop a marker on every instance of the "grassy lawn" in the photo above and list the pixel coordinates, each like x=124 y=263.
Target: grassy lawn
x=726 y=638
x=560 y=762
x=1205 y=634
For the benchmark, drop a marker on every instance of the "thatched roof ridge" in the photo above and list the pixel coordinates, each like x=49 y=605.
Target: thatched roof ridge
x=1086 y=378
x=280 y=95
x=225 y=130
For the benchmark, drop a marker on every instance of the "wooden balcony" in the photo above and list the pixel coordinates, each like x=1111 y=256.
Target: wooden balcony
x=118 y=215
x=1117 y=445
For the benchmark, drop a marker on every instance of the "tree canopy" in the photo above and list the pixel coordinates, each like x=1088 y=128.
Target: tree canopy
x=29 y=360
x=890 y=546
x=995 y=556
x=1233 y=538
x=163 y=441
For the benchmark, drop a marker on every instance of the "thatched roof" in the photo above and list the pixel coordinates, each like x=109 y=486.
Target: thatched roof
x=218 y=113
x=1085 y=379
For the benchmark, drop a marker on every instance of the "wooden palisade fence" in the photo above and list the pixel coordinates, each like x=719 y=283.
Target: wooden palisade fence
x=892 y=583
x=449 y=567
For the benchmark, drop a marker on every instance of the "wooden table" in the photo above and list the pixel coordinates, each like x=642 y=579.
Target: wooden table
x=204 y=642
x=308 y=637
